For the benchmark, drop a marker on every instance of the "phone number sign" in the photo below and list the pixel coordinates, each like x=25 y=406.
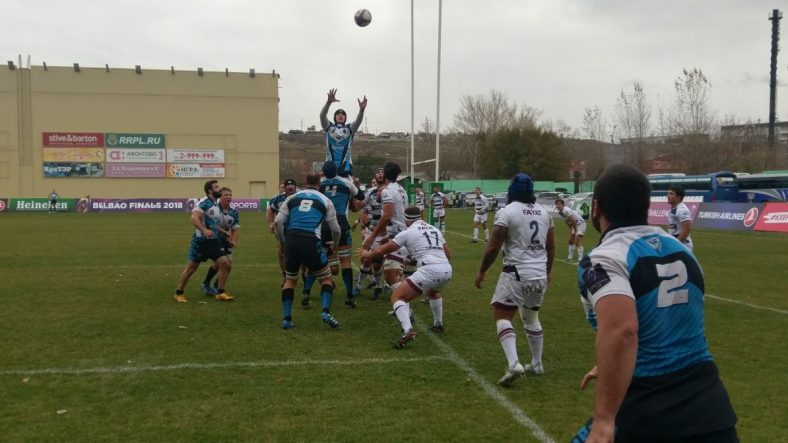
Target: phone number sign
x=195 y=156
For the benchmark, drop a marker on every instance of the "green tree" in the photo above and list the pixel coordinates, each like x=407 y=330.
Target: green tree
x=533 y=150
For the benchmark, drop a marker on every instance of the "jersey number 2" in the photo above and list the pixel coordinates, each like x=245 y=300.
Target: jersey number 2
x=673 y=275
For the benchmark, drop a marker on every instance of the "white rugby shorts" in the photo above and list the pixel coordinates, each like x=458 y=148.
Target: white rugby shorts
x=511 y=292
x=395 y=260
x=480 y=218
x=438 y=213
x=430 y=277
x=581 y=229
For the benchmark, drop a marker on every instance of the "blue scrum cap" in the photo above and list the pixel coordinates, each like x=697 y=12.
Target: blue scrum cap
x=521 y=184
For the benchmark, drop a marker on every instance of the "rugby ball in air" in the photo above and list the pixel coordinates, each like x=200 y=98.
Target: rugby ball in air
x=363 y=17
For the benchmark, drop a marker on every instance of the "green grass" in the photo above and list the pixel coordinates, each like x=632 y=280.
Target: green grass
x=86 y=291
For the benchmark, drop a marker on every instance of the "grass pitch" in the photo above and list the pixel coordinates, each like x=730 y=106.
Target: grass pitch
x=95 y=349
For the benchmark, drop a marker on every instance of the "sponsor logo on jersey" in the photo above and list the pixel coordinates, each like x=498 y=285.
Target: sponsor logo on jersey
x=595 y=278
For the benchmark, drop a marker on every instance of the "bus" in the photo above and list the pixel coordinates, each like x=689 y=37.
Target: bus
x=715 y=187
x=769 y=186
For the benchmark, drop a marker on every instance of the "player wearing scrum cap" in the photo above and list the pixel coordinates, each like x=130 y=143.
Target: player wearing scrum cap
x=392 y=222
x=426 y=245
x=339 y=135
x=524 y=230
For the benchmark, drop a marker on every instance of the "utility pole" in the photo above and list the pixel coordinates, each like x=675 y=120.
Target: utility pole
x=775 y=19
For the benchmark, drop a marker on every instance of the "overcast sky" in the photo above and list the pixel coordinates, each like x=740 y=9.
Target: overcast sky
x=559 y=56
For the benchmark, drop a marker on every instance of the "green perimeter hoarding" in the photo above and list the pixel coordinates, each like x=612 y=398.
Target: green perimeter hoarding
x=41 y=205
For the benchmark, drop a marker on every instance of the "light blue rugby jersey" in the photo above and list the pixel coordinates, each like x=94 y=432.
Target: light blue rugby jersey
x=306 y=210
x=339 y=191
x=338 y=141
x=666 y=282
x=211 y=215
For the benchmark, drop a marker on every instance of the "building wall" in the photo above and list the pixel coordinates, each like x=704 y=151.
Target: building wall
x=233 y=112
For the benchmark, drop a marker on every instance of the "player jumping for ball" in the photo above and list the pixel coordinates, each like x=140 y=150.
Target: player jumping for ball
x=339 y=135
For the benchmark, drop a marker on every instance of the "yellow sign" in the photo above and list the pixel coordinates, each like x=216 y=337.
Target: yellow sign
x=92 y=155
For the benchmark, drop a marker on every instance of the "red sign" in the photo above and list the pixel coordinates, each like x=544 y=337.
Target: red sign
x=85 y=139
x=774 y=218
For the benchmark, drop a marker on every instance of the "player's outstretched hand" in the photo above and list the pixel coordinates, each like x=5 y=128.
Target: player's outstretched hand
x=362 y=104
x=591 y=375
x=332 y=95
x=362 y=253
x=479 y=279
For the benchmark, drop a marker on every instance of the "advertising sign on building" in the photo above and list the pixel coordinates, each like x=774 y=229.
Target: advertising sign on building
x=195 y=170
x=658 y=212
x=136 y=170
x=73 y=169
x=774 y=218
x=733 y=216
x=73 y=139
x=40 y=205
x=117 y=140
x=246 y=204
x=3 y=204
x=126 y=155
x=87 y=155
x=195 y=155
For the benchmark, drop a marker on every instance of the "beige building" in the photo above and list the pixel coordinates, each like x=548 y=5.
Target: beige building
x=99 y=131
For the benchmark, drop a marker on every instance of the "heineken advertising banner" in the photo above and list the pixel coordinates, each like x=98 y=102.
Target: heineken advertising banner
x=73 y=169
x=40 y=205
x=3 y=204
x=129 y=155
x=87 y=155
x=135 y=205
x=117 y=140
x=733 y=216
x=84 y=139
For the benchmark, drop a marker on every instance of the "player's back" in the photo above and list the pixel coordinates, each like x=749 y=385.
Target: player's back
x=667 y=284
x=306 y=210
x=424 y=242
x=570 y=214
x=339 y=191
x=528 y=225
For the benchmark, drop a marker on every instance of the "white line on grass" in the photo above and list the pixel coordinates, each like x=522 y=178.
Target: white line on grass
x=518 y=414
x=144 y=266
x=715 y=297
x=220 y=365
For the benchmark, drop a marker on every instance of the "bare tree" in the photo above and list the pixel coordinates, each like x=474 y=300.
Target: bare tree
x=481 y=116
x=594 y=124
x=691 y=113
x=633 y=114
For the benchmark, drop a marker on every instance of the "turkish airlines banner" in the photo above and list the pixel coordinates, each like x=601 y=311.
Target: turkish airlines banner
x=774 y=218
x=658 y=212
x=731 y=216
x=77 y=139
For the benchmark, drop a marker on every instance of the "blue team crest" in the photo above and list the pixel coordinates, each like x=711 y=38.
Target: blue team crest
x=655 y=243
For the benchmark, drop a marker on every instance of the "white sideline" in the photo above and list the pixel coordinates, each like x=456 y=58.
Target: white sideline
x=490 y=389
x=715 y=297
x=223 y=365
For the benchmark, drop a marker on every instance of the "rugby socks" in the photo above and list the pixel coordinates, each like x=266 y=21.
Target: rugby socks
x=580 y=251
x=437 y=311
x=475 y=233
x=287 y=303
x=571 y=252
x=378 y=278
x=347 y=277
x=309 y=280
x=402 y=311
x=363 y=275
x=326 y=293
x=486 y=235
x=536 y=343
x=210 y=275
x=508 y=339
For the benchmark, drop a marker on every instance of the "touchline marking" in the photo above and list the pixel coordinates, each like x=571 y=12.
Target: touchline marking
x=142 y=266
x=715 y=297
x=224 y=365
x=490 y=389
x=749 y=305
